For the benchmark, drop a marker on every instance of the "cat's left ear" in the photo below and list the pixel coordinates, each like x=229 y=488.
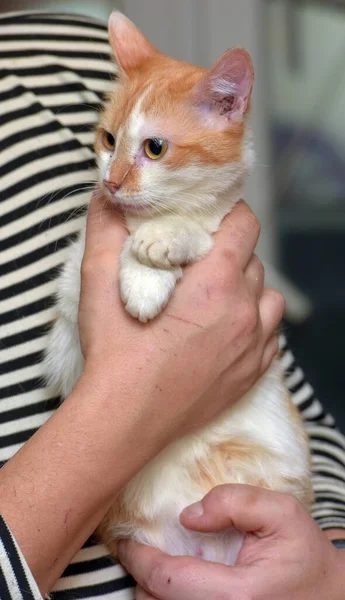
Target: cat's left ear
x=130 y=46
x=226 y=89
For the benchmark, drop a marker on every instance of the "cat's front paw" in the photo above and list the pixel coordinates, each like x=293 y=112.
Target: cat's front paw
x=168 y=246
x=160 y=247
x=146 y=290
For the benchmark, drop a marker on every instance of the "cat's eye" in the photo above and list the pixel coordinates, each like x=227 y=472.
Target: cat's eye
x=155 y=148
x=108 y=141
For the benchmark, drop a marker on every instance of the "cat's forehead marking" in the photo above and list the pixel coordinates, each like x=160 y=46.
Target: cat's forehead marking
x=136 y=121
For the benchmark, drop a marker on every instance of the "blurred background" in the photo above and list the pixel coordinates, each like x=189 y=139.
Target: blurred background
x=298 y=185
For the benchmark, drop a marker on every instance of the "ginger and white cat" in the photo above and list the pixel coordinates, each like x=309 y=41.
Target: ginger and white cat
x=174 y=148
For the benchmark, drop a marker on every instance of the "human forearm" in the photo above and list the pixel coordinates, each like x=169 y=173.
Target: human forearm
x=56 y=489
x=142 y=385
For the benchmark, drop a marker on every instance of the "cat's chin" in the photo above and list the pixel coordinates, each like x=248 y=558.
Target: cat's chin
x=133 y=208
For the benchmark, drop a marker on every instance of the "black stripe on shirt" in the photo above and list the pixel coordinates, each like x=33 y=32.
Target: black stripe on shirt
x=19 y=113
x=64 y=169
x=47 y=18
x=95 y=590
x=66 y=88
x=30 y=410
x=32 y=257
x=328 y=440
x=16 y=563
x=328 y=455
x=29 y=134
x=56 y=37
x=70 y=54
x=38 y=203
x=88 y=566
x=21 y=387
x=5 y=593
x=19 y=437
x=68 y=109
x=27 y=310
x=55 y=69
x=29 y=284
x=38 y=153
x=27 y=335
x=22 y=362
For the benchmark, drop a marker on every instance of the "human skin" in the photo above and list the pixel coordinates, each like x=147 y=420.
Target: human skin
x=285 y=554
x=219 y=327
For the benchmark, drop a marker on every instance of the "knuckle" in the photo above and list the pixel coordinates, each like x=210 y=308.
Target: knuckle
x=259 y=267
x=249 y=318
x=221 y=283
x=228 y=255
x=220 y=498
x=277 y=300
x=254 y=224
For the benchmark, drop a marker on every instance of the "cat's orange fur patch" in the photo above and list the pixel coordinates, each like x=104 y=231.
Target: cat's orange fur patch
x=235 y=461
x=165 y=87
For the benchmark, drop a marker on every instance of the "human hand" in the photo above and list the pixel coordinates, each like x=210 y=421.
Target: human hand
x=204 y=352
x=285 y=554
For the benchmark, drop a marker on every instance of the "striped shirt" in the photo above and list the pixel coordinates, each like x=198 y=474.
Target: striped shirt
x=54 y=72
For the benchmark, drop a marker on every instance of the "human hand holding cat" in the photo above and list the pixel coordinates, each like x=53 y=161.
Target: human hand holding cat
x=285 y=554
x=219 y=326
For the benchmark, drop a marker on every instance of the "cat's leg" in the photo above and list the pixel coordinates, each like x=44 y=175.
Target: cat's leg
x=63 y=362
x=169 y=242
x=144 y=290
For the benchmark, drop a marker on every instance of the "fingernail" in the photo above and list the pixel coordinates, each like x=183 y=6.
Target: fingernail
x=121 y=550
x=194 y=511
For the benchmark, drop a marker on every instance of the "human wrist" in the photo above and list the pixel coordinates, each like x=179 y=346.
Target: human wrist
x=127 y=405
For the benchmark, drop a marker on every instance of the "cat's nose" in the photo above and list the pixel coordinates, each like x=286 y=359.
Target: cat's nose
x=112 y=186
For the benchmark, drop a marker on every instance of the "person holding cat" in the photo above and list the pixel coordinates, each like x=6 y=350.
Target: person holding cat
x=214 y=340
x=64 y=499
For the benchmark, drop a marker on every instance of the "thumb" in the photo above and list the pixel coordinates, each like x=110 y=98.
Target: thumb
x=106 y=228
x=247 y=508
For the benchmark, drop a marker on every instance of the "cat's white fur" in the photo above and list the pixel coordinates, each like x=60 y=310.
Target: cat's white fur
x=150 y=266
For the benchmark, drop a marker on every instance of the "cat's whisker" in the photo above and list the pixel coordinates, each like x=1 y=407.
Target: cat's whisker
x=93 y=108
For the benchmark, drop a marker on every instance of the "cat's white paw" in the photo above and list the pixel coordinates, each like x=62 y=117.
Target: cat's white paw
x=145 y=290
x=166 y=246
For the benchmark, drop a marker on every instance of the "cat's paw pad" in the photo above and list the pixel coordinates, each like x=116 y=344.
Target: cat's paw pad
x=145 y=291
x=160 y=247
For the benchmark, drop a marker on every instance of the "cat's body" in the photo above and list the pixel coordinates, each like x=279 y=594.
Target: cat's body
x=174 y=191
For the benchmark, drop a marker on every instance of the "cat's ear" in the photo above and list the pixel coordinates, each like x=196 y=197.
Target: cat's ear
x=130 y=46
x=226 y=89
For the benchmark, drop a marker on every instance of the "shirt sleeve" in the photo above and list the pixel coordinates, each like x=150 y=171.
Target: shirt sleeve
x=16 y=580
x=327 y=446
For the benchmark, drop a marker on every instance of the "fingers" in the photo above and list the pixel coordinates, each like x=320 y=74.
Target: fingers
x=106 y=228
x=168 y=578
x=246 y=508
x=238 y=235
x=255 y=276
x=272 y=308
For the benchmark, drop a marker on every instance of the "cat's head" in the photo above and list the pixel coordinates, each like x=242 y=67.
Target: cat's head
x=172 y=137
